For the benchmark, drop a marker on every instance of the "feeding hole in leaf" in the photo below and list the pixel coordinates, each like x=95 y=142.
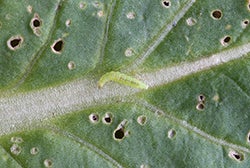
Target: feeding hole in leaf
x=129 y=52
x=235 y=155
x=216 y=14
x=142 y=120
x=171 y=133
x=71 y=65
x=107 y=119
x=225 y=40
x=47 y=163
x=16 y=140
x=131 y=15
x=166 y=3
x=248 y=137
x=94 y=118
x=191 y=21
x=68 y=22
x=35 y=24
x=15 y=149
x=15 y=42
x=57 y=46
x=119 y=134
x=201 y=98
x=34 y=151
x=244 y=23
x=200 y=106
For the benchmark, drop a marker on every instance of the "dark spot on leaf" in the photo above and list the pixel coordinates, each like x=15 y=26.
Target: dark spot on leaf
x=217 y=14
x=119 y=134
x=227 y=39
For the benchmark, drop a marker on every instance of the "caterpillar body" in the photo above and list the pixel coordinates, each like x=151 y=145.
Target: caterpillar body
x=122 y=79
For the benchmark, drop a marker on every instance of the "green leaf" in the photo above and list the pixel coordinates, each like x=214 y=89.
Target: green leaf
x=193 y=55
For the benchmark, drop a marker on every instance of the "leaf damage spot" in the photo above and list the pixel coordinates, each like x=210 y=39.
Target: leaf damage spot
x=191 y=21
x=225 y=41
x=130 y=15
x=71 y=65
x=82 y=5
x=68 y=22
x=47 y=163
x=29 y=9
x=15 y=149
x=244 y=23
x=34 y=151
x=236 y=155
x=216 y=98
x=216 y=14
x=142 y=120
x=119 y=132
x=57 y=46
x=94 y=118
x=107 y=119
x=200 y=106
x=17 y=140
x=166 y=3
x=129 y=52
x=15 y=42
x=171 y=133
x=201 y=98
x=35 y=24
x=100 y=13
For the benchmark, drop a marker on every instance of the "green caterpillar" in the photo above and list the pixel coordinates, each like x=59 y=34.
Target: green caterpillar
x=122 y=79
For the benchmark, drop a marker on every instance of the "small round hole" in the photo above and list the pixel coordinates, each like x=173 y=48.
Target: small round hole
x=200 y=106
x=216 y=14
x=15 y=149
x=94 y=118
x=225 y=40
x=244 y=23
x=201 y=98
x=57 y=46
x=107 y=119
x=36 y=23
x=166 y=3
x=47 y=163
x=171 y=133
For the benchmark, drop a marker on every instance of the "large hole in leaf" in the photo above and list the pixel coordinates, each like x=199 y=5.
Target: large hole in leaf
x=15 y=42
x=57 y=46
x=119 y=134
